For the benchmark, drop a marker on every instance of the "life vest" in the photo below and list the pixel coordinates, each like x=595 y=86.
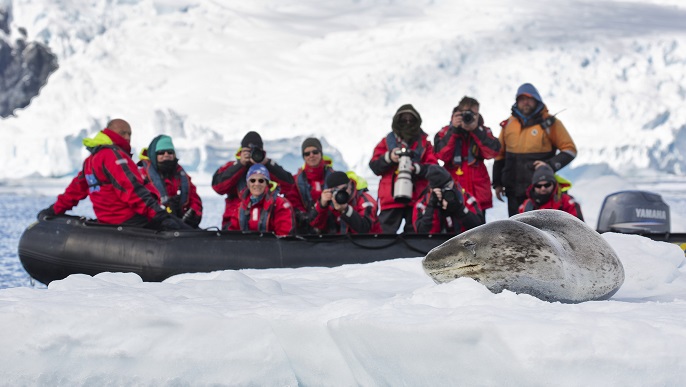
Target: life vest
x=158 y=182
x=304 y=187
x=265 y=214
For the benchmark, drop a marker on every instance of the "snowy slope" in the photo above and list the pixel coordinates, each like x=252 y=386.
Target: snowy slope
x=207 y=72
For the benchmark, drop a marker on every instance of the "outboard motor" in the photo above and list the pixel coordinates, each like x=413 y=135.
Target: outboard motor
x=634 y=212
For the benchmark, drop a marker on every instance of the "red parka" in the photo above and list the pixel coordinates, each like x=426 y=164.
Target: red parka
x=466 y=165
x=111 y=179
x=382 y=165
x=558 y=201
x=179 y=184
x=433 y=220
x=359 y=218
x=308 y=186
x=271 y=214
x=229 y=180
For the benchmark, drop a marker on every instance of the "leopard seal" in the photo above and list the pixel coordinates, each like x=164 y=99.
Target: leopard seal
x=548 y=254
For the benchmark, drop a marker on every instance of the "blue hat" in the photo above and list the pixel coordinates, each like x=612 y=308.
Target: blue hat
x=257 y=168
x=530 y=90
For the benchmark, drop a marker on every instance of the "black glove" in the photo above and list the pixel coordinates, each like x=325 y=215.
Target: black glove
x=433 y=200
x=191 y=218
x=455 y=201
x=174 y=203
x=165 y=221
x=50 y=211
x=301 y=218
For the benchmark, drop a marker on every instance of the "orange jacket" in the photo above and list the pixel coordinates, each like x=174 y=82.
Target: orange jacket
x=521 y=146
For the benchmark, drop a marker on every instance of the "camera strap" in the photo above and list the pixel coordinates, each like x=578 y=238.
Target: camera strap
x=471 y=149
x=392 y=143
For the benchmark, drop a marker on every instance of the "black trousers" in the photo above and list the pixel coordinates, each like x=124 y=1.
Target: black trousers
x=392 y=218
x=513 y=203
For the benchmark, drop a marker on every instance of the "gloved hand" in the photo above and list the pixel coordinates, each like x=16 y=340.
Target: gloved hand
x=165 y=221
x=302 y=219
x=454 y=200
x=50 y=211
x=174 y=203
x=433 y=200
x=191 y=218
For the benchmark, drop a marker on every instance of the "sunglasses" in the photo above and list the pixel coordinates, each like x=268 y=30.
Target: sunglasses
x=162 y=152
x=314 y=152
x=261 y=181
x=546 y=185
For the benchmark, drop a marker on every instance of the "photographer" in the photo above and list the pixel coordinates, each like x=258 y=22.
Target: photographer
x=463 y=146
x=229 y=179
x=445 y=207
x=401 y=159
x=341 y=208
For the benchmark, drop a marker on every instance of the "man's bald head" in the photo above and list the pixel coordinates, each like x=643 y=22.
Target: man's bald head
x=120 y=127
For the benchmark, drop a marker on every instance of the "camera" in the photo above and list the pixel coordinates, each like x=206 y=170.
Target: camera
x=257 y=154
x=402 y=189
x=340 y=195
x=468 y=117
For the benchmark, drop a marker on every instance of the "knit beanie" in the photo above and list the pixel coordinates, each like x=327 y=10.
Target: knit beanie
x=164 y=142
x=336 y=178
x=312 y=142
x=251 y=138
x=437 y=176
x=255 y=169
x=543 y=173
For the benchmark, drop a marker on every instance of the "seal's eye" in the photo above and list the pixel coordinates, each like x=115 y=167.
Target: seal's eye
x=471 y=246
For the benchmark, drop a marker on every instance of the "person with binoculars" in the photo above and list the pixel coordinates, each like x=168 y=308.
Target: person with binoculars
x=342 y=208
x=401 y=159
x=445 y=207
x=463 y=146
x=229 y=179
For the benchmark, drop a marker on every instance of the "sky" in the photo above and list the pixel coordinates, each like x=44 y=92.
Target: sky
x=384 y=323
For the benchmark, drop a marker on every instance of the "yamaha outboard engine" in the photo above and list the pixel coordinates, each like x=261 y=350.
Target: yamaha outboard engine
x=634 y=212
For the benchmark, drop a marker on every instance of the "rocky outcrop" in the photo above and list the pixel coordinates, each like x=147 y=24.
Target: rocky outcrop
x=24 y=67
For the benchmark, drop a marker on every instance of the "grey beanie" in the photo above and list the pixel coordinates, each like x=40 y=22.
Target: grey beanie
x=336 y=178
x=543 y=173
x=311 y=141
x=437 y=176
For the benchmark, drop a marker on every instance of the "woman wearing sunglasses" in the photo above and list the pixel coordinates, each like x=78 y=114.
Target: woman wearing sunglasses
x=545 y=193
x=261 y=209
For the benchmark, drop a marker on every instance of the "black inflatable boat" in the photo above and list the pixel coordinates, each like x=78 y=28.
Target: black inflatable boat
x=54 y=248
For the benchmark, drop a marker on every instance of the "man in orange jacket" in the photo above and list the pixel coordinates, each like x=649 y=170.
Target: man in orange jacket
x=529 y=139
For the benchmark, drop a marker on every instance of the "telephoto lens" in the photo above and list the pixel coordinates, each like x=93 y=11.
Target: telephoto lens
x=402 y=189
x=467 y=116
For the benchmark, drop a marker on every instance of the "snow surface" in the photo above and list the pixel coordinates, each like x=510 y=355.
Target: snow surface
x=380 y=324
